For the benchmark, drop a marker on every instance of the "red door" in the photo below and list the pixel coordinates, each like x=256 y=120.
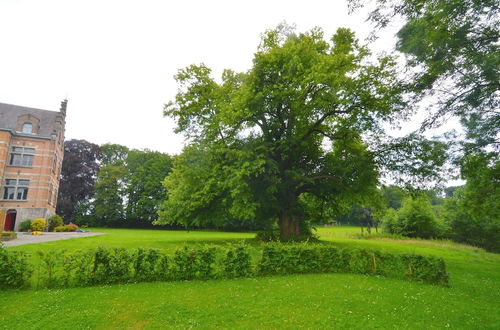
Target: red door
x=10 y=221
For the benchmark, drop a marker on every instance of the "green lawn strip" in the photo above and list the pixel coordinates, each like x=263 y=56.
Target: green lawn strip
x=315 y=301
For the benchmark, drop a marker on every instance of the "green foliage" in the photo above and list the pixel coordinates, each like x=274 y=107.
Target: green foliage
x=108 y=195
x=289 y=137
x=453 y=45
x=55 y=221
x=193 y=263
x=473 y=213
x=390 y=222
x=78 y=175
x=268 y=235
x=394 y=196
x=150 y=265
x=15 y=269
x=25 y=225
x=66 y=228
x=287 y=259
x=145 y=192
x=417 y=218
x=237 y=262
x=38 y=224
x=60 y=268
x=113 y=154
x=7 y=235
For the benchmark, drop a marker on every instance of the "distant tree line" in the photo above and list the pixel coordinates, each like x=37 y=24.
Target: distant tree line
x=111 y=185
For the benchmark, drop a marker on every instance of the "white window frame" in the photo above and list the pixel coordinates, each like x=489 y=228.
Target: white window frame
x=18 y=189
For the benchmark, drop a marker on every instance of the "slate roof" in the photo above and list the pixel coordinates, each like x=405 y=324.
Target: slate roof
x=49 y=120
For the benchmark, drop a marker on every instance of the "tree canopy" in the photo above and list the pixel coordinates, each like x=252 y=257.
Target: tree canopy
x=78 y=175
x=300 y=128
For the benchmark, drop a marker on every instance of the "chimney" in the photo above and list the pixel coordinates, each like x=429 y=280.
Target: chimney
x=64 y=104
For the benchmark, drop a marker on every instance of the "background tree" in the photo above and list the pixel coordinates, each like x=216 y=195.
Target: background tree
x=108 y=201
x=78 y=175
x=294 y=128
x=113 y=154
x=145 y=191
x=473 y=213
x=453 y=47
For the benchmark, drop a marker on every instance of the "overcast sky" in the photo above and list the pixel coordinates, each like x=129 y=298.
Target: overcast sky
x=115 y=60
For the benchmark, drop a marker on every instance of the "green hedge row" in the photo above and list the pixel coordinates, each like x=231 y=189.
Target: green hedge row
x=118 y=265
x=280 y=259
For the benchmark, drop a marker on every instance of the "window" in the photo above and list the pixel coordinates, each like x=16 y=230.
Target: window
x=20 y=156
x=27 y=128
x=16 y=189
x=54 y=166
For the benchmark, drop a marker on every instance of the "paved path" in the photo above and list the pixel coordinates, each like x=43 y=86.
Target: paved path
x=24 y=238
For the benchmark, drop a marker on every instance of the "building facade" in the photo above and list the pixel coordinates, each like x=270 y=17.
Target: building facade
x=31 y=153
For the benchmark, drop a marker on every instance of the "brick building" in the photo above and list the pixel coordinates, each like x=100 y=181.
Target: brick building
x=31 y=153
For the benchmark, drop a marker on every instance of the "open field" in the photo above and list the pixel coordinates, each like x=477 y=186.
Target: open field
x=310 y=301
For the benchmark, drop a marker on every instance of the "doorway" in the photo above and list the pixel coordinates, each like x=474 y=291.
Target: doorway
x=10 y=220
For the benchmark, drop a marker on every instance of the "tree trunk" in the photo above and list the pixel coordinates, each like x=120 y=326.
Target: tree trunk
x=289 y=226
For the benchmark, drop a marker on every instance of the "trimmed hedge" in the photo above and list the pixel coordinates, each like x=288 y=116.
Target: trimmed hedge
x=280 y=259
x=118 y=265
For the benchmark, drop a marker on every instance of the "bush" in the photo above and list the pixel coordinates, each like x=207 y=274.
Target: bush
x=237 y=262
x=390 y=223
x=55 y=221
x=7 y=235
x=25 y=225
x=38 y=224
x=66 y=228
x=268 y=236
x=194 y=263
x=15 y=270
x=416 y=218
x=150 y=265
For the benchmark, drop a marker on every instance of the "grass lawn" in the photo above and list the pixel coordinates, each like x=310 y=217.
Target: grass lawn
x=309 y=301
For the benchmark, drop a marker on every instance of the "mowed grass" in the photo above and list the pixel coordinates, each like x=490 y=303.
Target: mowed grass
x=298 y=301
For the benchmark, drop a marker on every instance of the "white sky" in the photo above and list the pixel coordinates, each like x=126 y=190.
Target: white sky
x=115 y=60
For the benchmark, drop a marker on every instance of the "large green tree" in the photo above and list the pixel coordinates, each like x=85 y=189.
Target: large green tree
x=294 y=129
x=452 y=48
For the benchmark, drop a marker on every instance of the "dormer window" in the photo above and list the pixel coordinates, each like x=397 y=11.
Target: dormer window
x=27 y=128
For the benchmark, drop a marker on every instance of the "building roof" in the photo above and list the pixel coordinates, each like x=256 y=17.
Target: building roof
x=50 y=121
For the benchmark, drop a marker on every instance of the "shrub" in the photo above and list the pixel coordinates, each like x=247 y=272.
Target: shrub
x=25 y=225
x=390 y=223
x=193 y=263
x=237 y=262
x=55 y=221
x=268 y=236
x=7 y=235
x=15 y=270
x=416 y=218
x=112 y=265
x=66 y=228
x=150 y=265
x=38 y=224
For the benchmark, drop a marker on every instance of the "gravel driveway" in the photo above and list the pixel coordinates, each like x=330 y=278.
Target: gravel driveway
x=27 y=238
